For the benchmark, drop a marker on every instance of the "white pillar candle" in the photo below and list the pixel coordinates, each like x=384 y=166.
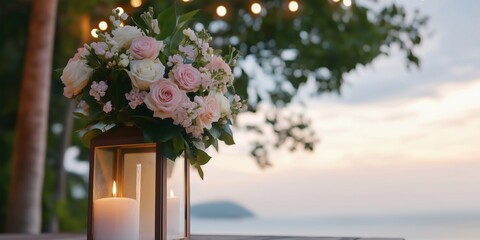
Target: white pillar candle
x=115 y=219
x=173 y=216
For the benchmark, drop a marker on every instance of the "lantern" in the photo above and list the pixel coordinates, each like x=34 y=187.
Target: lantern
x=134 y=191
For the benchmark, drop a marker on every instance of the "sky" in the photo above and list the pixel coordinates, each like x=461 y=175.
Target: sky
x=395 y=142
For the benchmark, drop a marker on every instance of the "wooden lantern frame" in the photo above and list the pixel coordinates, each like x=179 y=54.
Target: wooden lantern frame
x=132 y=136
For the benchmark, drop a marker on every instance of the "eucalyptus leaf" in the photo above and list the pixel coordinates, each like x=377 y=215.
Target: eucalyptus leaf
x=215 y=131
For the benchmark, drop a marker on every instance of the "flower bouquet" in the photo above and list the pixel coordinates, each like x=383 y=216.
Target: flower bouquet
x=160 y=76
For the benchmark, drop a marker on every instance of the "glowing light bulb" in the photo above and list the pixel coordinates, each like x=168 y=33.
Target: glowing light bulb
x=256 y=8
x=347 y=3
x=172 y=194
x=135 y=3
x=221 y=11
x=103 y=25
x=336 y=0
x=94 y=33
x=293 y=6
x=120 y=10
x=186 y=0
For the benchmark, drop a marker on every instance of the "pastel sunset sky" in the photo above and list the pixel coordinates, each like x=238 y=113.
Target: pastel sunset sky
x=395 y=141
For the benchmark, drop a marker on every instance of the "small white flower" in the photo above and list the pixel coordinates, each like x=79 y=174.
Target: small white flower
x=124 y=62
x=124 y=16
x=190 y=34
x=116 y=23
x=112 y=18
x=155 y=28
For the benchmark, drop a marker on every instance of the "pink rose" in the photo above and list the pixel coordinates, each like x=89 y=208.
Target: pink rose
x=217 y=63
x=187 y=77
x=211 y=112
x=164 y=98
x=145 y=48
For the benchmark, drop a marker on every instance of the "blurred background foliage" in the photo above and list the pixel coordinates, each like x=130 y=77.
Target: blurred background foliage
x=283 y=53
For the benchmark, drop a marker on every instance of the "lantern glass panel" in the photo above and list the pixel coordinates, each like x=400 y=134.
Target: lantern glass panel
x=176 y=196
x=128 y=212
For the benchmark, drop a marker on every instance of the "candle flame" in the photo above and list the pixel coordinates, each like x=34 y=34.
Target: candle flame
x=114 y=189
x=171 y=193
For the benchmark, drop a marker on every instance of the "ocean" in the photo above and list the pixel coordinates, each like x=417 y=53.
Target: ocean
x=465 y=226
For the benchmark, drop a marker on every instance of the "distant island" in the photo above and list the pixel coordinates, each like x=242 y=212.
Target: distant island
x=220 y=210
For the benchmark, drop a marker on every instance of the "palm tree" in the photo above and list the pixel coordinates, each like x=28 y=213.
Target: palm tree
x=24 y=198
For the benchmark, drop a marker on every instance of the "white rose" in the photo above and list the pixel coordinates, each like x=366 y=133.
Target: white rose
x=76 y=74
x=223 y=104
x=145 y=72
x=123 y=36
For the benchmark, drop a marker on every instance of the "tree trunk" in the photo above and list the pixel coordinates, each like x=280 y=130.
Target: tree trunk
x=24 y=213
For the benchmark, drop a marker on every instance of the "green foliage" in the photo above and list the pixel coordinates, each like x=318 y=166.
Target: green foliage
x=167 y=23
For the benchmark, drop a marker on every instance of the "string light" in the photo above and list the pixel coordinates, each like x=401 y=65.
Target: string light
x=336 y=0
x=120 y=10
x=103 y=25
x=221 y=11
x=347 y=3
x=293 y=6
x=135 y=3
x=256 y=8
x=94 y=33
x=186 y=0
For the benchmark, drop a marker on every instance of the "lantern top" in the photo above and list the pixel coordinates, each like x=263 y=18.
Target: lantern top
x=118 y=136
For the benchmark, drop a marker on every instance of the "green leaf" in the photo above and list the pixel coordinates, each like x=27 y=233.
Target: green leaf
x=167 y=20
x=200 y=171
x=215 y=131
x=202 y=157
x=87 y=137
x=119 y=85
x=178 y=144
x=241 y=85
x=176 y=39
x=167 y=150
x=140 y=24
x=167 y=132
x=227 y=135
x=183 y=19
x=156 y=129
